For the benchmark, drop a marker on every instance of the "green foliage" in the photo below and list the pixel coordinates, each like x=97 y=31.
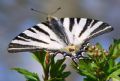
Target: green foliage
x=101 y=65
x=53 y=69
x=40 y=57
x=57 y=69
x=28 y=75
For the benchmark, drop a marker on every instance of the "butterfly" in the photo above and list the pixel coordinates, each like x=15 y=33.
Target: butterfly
x=65 y=35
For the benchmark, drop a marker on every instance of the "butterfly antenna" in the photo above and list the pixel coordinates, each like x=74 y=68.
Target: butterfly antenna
x=32 y=9
x=59 y=8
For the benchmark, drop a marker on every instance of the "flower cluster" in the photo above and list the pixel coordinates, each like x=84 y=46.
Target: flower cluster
x=101 y=65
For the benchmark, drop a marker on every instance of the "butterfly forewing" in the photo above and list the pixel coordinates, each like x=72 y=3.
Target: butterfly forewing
x=38 y=37
x=83 y=29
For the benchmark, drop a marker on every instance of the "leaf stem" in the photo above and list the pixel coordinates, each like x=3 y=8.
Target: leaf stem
x=46 y=71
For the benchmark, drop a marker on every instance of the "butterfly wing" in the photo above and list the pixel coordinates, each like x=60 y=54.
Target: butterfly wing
x=38 y=37
x=57 y=34
x=84 y=29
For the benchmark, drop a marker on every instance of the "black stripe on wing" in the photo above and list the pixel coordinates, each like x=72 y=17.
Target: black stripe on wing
x=101 y=27
x=94 y=22
x=88 y=22
x=19 y=38
x=41 y=30
x=62 y=20
x=31 y=38
x=15 y=47
x=78 y=20
x=47 y=24
x=72 y=22
x=30 y=29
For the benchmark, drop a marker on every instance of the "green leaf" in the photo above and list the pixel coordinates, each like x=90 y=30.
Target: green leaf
x=40 y=56
x=66 y=74
x=115 y=49
x=85 y=68
x=57 y=70
x=63 y=67
x=114 y=79
x=115 y=75
x=111 y=65
x=28 y=75
x=56 y=79
x=89 y=79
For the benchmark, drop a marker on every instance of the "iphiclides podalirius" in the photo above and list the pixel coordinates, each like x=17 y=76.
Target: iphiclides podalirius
x=66 y=35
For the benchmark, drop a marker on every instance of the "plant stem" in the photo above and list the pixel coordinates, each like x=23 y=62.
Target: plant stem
x=46 y=71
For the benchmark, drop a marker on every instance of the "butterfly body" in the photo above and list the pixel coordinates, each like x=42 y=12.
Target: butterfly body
x=64 y=35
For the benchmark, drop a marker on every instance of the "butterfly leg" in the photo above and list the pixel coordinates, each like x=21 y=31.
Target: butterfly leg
x=66 y=54
x=63 y=53
x=75 y=60
x=85 y=46
x=71 y=56
x=81 y=53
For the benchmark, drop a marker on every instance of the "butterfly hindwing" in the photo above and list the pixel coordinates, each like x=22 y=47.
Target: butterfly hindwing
x=38 y=37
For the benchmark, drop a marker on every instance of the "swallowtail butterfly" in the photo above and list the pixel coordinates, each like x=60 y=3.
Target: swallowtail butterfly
x=65 y=35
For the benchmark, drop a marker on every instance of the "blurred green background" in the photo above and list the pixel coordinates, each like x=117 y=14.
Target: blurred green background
x=16 y=16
